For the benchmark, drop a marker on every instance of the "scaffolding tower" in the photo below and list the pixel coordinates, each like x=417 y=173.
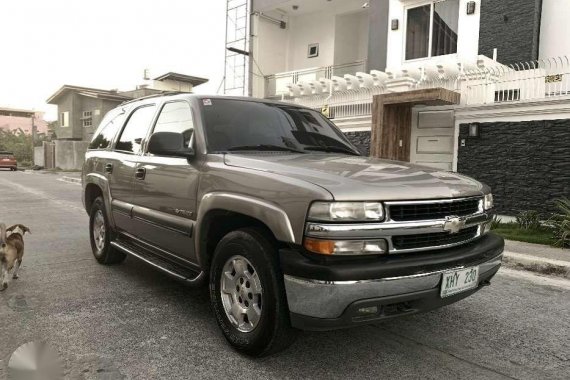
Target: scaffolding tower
x=236 y=70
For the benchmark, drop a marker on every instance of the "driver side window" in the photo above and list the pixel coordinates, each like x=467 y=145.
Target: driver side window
x=176 y=117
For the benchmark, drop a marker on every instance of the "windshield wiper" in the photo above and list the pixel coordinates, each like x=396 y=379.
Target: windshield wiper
x=264 y=148
x=336 y=149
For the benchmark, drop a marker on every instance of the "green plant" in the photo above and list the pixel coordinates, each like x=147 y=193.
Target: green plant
x=561 y=223
x=496 y=222
x=528 y=220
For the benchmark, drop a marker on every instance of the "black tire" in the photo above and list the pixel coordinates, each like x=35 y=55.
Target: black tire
x=106 y=254
x=273 y=332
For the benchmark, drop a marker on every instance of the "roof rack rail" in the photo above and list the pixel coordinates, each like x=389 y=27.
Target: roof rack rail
x=166 y=93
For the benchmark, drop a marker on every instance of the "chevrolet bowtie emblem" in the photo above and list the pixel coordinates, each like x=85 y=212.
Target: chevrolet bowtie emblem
x=453 y=224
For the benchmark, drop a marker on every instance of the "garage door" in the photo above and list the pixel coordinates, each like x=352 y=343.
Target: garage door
x=433 y=139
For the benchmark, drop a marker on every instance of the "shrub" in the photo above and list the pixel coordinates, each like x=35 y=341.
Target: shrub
x=561 y=223
x=496 y=222
x=528 y=220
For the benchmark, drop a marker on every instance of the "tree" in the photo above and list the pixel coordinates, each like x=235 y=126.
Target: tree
x=18 y=143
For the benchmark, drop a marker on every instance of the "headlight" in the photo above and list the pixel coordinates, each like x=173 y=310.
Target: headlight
x=346 y=211
x=488 y=202
x=346 y=247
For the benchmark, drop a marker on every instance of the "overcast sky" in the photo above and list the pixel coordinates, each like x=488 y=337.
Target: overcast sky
x=105 y=44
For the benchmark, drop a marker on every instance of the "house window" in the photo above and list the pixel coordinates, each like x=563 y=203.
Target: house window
x=87 y=118
x=431 y=29
x=64 y=119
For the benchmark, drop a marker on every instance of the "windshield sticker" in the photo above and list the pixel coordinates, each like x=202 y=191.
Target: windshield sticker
x=207 y=102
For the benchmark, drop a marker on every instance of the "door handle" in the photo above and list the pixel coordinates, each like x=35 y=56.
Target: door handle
x=140 y=173
x=109 y=168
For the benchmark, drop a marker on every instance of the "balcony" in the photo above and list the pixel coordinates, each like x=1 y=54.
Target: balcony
x=311 y=81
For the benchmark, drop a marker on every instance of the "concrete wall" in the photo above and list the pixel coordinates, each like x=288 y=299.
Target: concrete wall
x=378 y=34
x=526 y=163
x=351 y=37
x=66 y=104
x=513 y=27
x=70 y=155
x=554 y=31
x=39 y=156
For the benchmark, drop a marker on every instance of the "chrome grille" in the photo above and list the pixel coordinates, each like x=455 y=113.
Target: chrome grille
x=406 y=212
x=433 y=239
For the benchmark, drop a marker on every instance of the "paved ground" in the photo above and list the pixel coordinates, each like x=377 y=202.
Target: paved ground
x=131 y=322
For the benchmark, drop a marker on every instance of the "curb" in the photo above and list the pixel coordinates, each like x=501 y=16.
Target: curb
x=541 y=265
x=76 y=181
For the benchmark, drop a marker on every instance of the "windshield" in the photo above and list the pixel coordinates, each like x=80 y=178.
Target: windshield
x=238 y=125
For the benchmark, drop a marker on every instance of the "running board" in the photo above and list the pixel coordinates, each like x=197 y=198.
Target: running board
x=182 y=274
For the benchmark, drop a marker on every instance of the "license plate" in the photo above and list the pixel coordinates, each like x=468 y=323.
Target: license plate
x=458 y=281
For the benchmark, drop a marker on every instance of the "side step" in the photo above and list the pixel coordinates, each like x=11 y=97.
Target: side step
x=185 y=275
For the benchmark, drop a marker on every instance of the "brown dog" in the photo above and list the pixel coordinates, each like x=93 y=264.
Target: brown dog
x=11 y=251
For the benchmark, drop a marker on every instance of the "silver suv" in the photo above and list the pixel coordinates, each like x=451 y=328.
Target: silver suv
x=278 y=212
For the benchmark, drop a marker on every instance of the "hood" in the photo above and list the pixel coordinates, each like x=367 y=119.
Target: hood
x=362 y=178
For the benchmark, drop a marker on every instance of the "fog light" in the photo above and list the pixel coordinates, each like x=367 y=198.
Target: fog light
x=346 y=247
x=368 y=310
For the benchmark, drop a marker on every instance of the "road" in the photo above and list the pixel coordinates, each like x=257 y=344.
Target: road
x=131 y=322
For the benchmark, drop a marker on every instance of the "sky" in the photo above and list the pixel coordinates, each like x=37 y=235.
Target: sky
x=106 y=44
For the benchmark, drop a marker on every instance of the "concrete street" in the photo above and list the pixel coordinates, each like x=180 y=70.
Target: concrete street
x=129 y=321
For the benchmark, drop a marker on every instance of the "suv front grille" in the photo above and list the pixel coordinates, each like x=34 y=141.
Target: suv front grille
x=433 y=239
x=435 y=210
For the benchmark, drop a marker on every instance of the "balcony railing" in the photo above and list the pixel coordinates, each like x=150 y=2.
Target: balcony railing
x=276 y=85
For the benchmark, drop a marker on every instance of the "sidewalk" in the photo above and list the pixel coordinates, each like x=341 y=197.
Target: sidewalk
x=537 y=258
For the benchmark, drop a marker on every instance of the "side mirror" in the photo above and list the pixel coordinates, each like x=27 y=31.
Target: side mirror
x=169 y=144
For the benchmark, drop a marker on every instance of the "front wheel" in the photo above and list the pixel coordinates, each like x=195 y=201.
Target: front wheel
x=100 y=235
x=248 y=295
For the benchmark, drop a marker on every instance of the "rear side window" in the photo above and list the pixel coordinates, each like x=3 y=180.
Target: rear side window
x=176 y=117
x=107 y=129
x=135 y=130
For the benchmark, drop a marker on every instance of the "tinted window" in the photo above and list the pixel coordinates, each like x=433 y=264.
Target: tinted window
x=236 y=125
x=135 y=130
x=176 y=117
x=108 y=129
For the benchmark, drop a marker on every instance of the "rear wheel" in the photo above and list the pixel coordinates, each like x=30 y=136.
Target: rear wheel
x=248 y=295
x=100 y=235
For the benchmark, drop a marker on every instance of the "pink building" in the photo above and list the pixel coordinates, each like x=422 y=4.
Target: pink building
x=18 y=119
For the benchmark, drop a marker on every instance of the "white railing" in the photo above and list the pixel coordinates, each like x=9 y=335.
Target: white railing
x=483 y=83
x=532 y=80
x=278 y=85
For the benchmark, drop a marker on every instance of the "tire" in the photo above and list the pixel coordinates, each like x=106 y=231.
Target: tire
x=101 y=242
x=272 y=332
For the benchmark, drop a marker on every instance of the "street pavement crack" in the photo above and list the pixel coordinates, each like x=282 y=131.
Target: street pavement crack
x=444 y=352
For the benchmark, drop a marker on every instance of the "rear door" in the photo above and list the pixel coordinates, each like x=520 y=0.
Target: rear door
x=120 y=166
x=165 y=189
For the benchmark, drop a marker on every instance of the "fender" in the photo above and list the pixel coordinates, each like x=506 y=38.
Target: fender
x=268 y=213
x=103 y=183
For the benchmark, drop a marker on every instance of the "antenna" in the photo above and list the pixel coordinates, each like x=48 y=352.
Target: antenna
x=236 y=70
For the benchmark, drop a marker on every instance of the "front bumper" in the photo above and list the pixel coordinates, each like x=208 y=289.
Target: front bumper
x=324 y=296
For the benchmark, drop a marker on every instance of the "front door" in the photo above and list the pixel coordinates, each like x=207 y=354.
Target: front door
x=165 y=189
x=432 y=138
x=120 y=167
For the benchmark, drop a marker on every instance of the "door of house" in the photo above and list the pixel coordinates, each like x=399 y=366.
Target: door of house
x=432 y=138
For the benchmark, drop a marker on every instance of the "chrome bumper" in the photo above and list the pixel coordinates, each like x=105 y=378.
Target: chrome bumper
x=329 y=299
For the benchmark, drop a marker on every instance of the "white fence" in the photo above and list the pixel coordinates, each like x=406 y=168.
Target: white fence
x=484 y=84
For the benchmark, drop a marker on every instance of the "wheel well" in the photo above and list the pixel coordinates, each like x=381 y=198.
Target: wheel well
x=217 y=223
x=92 y=191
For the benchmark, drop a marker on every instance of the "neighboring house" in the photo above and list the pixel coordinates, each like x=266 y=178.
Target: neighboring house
x=22 y=120
x=81 y=109
x=480 y=87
